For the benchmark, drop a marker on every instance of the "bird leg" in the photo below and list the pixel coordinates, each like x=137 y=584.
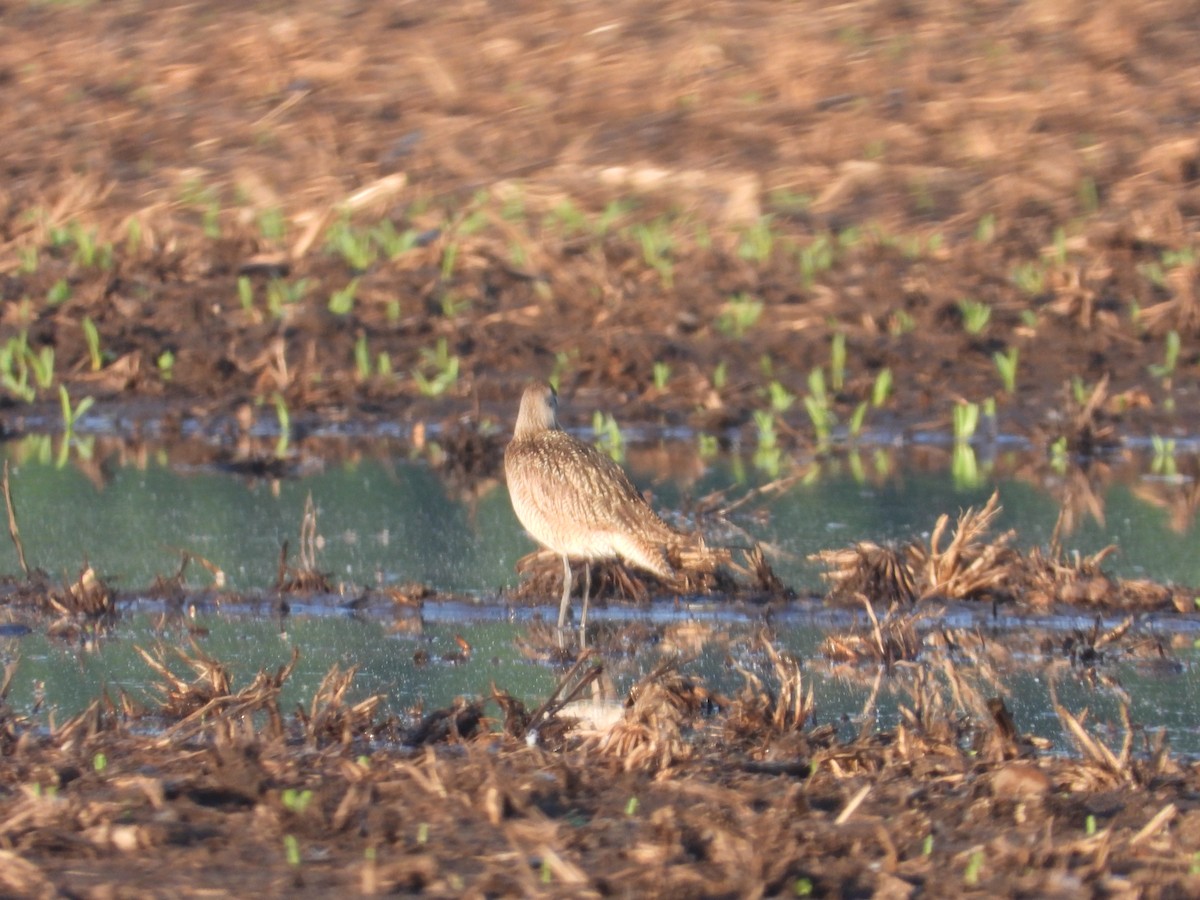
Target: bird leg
x=566 y=597
x=587 y=589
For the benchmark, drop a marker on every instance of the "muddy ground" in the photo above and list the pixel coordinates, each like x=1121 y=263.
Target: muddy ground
x=355 y=213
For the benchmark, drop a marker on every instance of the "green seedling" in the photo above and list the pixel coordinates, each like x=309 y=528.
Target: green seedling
x=816 y=259
x=1164 y=456
x=739 y=314
x=72 y=414
x=757 y=242
x=781 y=398
x=837 y=361
x=100 y=763
x=41 y=364
x=975 y=315
x=974 y=865
x=393 y=243
x=613 y=212
x=818 y=407
x=662 y=374
x=767 y=453
x=1006 y=365
x=720 y=375
x=631 y=807
x=656 y=243
x=1170 y=357
x=272 y=225
x=423 y=833
x=803 y=887
x=1030 y=277
x=383 y=364
x=91 y=337
x=1080 y=391
x=166 y=365
x=1029 y=318
x=1089 y=825
x=966 y=420
x=282 y=293
x=857 y=419
x=882 y=389
x=245 y=291
x=14 y=368
x=1059 y=254
x=442 y=365
x=356 y=248
x=608 y=435
x=927 y=845
x=296 y=801
x=59 y=293
x=362 y=358
x=284 y=417
x=341 y=301
x=1059 y=458
x=709 y=446
x=291 y=848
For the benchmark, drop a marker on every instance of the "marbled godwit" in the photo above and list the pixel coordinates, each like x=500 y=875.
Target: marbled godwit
x=577 y=502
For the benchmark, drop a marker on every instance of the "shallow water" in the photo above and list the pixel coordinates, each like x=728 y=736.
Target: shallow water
x=384 y=519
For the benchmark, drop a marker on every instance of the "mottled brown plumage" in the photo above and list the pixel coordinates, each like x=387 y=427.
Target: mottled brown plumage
x=577 y=502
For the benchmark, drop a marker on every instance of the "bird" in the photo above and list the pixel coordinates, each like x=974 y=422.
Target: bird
x=577 y=502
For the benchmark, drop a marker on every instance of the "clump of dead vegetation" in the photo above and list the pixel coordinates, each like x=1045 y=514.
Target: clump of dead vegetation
x=700 y=571
x=975 y=566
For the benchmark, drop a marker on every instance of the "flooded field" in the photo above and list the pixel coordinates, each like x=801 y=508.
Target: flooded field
x=895 y=303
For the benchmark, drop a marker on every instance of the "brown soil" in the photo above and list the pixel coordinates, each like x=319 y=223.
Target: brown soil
x=610 y=194
x=588 y=190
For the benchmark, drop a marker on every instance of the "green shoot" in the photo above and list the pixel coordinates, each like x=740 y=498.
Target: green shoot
x=975 y=315
x=966 y=420
x=1006 y=365
x=92 y=337
x=631 y=807
x=284 y=416
x=971 y=875
x=449 y=260
x=818 y=408
x=272 y=225
x=291 y=848
x=341 y=302
x=442 y=365
x=739 y=314
x=837 y=361
x=245 y=291
x=1030 y=277
x=60 y=292
x=720 y=376
x=709 y=446
x=781 y=398
x=100 y=763
x=71 y=415
x=757 y=241
x=42 y=365
x=662 y=374
x=1164 y=456
x=296 y=801
x=856 y=420
x=1170 y=357
x=882 y=388
x=608 y=435
x=362 y=358
x=166 y=364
